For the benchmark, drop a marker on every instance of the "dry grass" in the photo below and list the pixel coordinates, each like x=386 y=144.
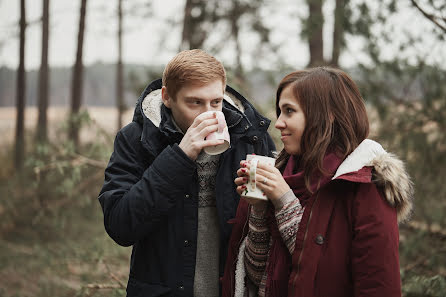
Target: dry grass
x=105 y=117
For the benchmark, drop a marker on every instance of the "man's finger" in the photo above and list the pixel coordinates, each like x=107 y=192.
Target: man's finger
x=207 y=130
x=213 y=142
x=203 y=116
x=207 y=123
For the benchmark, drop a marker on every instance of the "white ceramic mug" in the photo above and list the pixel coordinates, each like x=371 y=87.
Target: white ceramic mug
x=221 y=133
x=251 y=190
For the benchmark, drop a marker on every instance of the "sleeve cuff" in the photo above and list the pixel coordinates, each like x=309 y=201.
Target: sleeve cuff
x=285 y=199
x=172 y=163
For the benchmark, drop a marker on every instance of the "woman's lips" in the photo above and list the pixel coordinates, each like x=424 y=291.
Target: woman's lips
x=284 y=136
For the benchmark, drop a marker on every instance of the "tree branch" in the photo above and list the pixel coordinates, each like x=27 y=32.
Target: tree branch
x=430 y=17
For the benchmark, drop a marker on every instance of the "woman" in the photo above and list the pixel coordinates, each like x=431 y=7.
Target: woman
x=330 y=226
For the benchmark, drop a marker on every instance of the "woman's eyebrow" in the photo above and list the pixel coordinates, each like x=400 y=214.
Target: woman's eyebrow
x=286 y=105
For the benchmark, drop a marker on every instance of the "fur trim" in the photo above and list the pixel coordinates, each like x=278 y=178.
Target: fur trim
x=151 y=105
x=391 y=176
x=240 y=272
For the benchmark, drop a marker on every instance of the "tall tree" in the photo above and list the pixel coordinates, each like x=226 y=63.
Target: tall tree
x=119 y=70
x=77 y=81
x=231 y=18
x=338 y=31
x=198 y=17
x=43 y=77
x=185 y=35
x=21 y=84
x=314 y=31
x=234 y=17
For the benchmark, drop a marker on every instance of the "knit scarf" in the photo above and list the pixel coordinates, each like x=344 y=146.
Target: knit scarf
x=279 y=262
x=296 y=180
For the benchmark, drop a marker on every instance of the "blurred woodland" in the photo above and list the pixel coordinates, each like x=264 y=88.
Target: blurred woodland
x=52 y=239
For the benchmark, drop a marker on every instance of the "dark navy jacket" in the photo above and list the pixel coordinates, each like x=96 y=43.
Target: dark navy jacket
x=150 y=194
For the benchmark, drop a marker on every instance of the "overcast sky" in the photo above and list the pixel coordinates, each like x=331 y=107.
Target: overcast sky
x=143 y=35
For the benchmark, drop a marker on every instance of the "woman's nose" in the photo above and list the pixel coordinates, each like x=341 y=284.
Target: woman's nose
x=279 y=124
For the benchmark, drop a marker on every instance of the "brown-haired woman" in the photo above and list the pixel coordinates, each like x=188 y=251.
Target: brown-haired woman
x=330 y=225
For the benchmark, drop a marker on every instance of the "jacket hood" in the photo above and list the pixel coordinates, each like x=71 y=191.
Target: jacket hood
x=158 y=125
x=387 y=172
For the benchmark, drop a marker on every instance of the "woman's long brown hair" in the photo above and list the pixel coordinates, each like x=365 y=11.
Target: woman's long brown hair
x=335 y=116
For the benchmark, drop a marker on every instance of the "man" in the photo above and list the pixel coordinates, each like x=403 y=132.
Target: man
x=163 y=194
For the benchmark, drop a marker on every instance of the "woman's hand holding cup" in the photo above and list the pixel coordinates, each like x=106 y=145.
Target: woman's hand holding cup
x=268 y=179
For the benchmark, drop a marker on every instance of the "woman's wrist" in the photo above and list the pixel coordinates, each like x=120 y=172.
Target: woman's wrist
x=286 y=198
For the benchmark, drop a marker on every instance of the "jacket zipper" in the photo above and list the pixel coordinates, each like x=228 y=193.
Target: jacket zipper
x=303 y=243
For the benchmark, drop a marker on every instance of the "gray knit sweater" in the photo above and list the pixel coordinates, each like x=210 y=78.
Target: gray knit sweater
x=206 y=282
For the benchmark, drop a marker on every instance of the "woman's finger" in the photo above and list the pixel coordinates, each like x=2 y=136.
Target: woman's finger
x=240 y=181
x=241 y=189
x=265 y=173
x=260 y=181
x=243 y=172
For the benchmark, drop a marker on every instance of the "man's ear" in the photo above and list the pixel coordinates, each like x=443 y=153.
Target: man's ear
x=165 y=97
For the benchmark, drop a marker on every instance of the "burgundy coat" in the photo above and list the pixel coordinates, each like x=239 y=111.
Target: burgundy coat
x=347 y=241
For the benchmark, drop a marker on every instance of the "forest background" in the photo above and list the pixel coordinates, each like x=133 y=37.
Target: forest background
x=70 y=75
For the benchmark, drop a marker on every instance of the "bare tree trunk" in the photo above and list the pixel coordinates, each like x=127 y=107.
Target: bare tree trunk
x=315 y=34
x=21 y=84
x=42 y=129
x=185 y=36
x=77 y=82
x=338 y=32
x=194 y=32
x=119 y=70
x=235 y=29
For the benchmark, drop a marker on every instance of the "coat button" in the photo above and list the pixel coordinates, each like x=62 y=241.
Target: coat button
x=262 y=123
x=246 y=127
x=187 y=196
x=255 y=138
x=181 y=288
x=319 y=239
x=186 y=242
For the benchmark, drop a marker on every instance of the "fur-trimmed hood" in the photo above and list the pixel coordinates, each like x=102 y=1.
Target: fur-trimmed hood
x=388 y=173
x=244 y=122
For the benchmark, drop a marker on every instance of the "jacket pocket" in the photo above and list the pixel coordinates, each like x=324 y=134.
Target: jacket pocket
x=137 y=288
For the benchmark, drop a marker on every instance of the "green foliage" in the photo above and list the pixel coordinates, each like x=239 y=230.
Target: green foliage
x=421 y=286
x=54 y=176
x=411 y=103
x=53 y=242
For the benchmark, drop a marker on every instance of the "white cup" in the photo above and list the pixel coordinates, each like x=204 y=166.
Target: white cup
x=251 y=190
x=221 y=133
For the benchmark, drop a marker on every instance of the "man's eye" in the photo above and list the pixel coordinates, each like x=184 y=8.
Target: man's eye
x=197 y=102
x=216 y=102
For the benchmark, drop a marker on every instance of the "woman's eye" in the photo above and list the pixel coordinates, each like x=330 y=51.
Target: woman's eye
x=289 y=110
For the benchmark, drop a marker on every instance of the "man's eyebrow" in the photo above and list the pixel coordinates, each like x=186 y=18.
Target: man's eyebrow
x=202 y=99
